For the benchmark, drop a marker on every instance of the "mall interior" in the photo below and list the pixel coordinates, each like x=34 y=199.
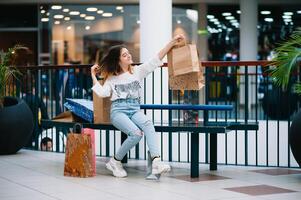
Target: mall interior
x=255 y=154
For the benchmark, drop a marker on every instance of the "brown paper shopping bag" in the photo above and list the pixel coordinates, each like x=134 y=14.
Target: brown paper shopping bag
x=190 y=81
x=184 y=59
x=79 y=156
x=101 y=108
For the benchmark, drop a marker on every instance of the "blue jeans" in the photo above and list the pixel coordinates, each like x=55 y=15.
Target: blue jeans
x=128 y=118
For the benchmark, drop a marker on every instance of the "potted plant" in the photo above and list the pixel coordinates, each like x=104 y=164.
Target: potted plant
x=287 y=60
x=16 y=119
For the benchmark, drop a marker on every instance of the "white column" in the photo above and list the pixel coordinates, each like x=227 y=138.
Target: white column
x=202 y=43
x=155 y=32
x=248 y=44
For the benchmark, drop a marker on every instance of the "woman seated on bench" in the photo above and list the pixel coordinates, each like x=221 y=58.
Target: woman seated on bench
x=123 y=84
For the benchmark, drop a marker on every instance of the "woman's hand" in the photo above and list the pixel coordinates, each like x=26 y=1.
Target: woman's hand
x=177 y=39
x=95 y=70
x=174 y=41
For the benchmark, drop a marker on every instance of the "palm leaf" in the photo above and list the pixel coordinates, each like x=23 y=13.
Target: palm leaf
x=287 y=59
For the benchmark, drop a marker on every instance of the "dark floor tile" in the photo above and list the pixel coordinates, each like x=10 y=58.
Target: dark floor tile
x=257 y=190
x=278 y=171
x=202 y=177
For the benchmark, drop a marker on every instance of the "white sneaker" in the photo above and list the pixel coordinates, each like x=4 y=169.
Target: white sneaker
x=159 y=167
x=116 y=167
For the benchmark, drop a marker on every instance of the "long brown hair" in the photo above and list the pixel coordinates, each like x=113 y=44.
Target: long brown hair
x=109 y=64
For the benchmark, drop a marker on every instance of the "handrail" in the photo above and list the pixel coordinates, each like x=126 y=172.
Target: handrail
x=203 y=63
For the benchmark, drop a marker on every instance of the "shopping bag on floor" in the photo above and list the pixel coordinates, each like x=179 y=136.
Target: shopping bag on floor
x=91 y=133
x=79 y=156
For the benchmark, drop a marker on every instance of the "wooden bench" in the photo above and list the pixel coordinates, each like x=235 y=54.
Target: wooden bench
x=211 y=128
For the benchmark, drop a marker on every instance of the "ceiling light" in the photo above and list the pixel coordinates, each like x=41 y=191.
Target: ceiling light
x=47 y=13
x=210 y=16
x=233 y=20
x=226 y=14
x=66 y=10
x=56 y=7
x=213 y=20
x=68 y=27
x=287 y=20
x=299 y=11
x=89 y=18
x=87 y=27
x=58 y=16
x=57 y=22
x=92 y=9
x=265 y=12
x=138 y=21
x=74 y=13
x=230 y=17
x=67 y=18
x=288 y=13
x=286 y=16
x=43 y=11
x=119 y=7
x=45 y=19
x=179 y=21
x=268 y=19
x=82 y=15
x=100 y=11
x=238 y=11
x=122 y=11
x=107 y=14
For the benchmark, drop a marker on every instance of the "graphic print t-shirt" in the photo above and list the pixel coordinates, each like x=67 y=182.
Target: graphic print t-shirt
x=127 y=85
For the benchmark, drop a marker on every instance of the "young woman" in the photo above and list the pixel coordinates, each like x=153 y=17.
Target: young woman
x=123 y=84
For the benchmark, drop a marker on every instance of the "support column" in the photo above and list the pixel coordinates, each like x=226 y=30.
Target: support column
x=202 y=43
x=155 y=32
x=248 y=46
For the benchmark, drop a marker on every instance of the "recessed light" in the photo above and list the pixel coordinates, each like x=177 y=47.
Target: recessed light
x=119 y=7
x=68 y=27
x=92 y=9
x=286 y=16
x=56 y=7
x=265 y=12
x=87 y=27
x=43 y=11
x=66 y=10
x=74 y=13
x=58 y=16
x=100 y=11
x=107 y=14
x=210 y=16
x=67 y=18
x=226 y=14
x=299 y=11
x=45 y=19
x=138 y=21
x=268 y=19
x=57 y=22
x=179 y=21
x=238 y=12
x=230 y=17
x=89 y=18
x=82 y=15
x=288 y=13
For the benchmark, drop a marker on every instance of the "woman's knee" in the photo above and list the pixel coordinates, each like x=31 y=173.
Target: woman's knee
x=136 y=136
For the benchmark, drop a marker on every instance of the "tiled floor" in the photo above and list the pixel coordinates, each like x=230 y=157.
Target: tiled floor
x=34 y=175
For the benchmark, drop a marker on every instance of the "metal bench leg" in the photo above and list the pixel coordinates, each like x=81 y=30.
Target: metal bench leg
x=123 y=138
x=213 y=151
x=194 y=164
x=149 y=175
